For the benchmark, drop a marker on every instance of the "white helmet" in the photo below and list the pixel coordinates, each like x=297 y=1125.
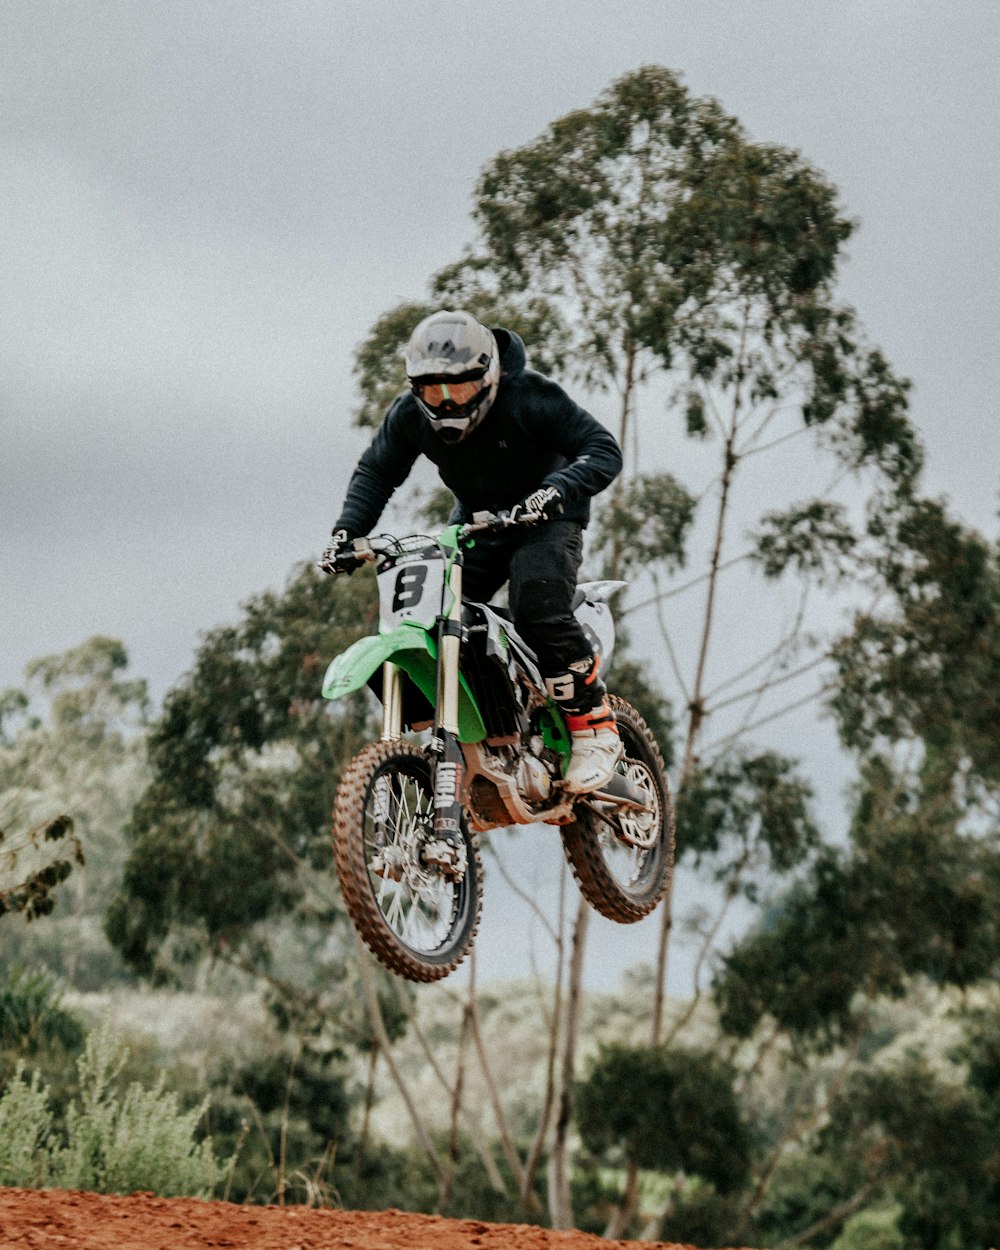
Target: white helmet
x=453 y=367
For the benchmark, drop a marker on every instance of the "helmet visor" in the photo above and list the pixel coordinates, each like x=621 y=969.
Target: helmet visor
x=445 y=397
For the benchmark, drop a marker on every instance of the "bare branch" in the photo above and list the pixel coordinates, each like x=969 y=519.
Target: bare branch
x=525 y=897
x=769 y=683
x=385 y=1046
x=506 y=1139
x=751 y=450
x=671 y=653
x=719 y=743
x=832 y=1218
x=688 y=585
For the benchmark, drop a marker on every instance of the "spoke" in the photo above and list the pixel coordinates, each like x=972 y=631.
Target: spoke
x=395 y=908
x=420 y=907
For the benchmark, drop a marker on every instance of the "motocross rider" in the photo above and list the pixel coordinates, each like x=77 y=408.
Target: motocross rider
x=503 y=438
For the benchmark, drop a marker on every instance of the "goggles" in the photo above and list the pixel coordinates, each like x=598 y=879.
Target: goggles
x=456 y=394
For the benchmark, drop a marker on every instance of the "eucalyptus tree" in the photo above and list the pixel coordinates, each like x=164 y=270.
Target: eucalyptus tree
x=72 y=763
x=229 y=860
x=667 y=1110
x=912 y=897
x=659 y=256
x=244 y=759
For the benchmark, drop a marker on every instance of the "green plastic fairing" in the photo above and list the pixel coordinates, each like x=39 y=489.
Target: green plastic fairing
x=412 y=650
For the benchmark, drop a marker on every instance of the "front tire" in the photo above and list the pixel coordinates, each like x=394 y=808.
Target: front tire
x=623 y=862
x=415 y=922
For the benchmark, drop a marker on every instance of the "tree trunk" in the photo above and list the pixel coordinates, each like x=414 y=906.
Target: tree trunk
x=385 y=1046
x=628 y=391
x=369 y=1104
x=560 y=1200
x=623 y=1214
x=696 y=715
x=503 y=1128
x=548 y=1102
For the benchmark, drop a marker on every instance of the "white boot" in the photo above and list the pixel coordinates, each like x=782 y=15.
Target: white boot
x=594 y=758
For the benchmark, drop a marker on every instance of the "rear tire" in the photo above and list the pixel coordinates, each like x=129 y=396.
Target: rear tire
x=623 y=863
x=414 y=921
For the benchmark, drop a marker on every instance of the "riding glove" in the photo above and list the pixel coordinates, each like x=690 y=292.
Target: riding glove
x=543 y=504
x=338 y=555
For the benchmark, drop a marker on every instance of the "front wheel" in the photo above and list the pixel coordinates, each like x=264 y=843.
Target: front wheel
x=414 y=921
x=622 y=860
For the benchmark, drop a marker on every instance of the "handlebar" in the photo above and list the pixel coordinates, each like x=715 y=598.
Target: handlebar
x=489 y=522
x=367 y=552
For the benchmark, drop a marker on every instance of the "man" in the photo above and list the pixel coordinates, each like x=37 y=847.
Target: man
x=503 y=438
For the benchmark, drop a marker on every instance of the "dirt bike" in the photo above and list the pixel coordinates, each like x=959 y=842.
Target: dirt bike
x=495 y=755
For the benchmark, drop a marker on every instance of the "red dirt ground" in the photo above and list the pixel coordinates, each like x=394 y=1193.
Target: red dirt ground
x=48 y=1218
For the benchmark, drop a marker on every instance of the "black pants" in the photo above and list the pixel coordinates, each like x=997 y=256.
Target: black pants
x=541 y=563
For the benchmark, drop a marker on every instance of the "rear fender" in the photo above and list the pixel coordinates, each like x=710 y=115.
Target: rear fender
x=594 y=615
x=412 y=650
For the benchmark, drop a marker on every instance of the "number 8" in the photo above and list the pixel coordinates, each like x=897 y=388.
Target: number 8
x=409 y=587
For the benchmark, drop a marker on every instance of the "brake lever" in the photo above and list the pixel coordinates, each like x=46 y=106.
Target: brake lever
x=483 y=521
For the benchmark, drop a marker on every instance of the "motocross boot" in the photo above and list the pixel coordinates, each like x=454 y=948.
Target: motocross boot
x=597 y=746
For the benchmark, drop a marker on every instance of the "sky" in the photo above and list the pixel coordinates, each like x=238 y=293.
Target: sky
x=206 y=204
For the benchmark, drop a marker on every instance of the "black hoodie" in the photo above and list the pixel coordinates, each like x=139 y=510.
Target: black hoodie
x=533 y=435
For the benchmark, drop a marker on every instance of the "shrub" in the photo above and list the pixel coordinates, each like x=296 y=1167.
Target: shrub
x=25 y=1132
x=115 y=1141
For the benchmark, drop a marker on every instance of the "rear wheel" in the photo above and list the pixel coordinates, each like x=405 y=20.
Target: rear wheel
x=623 y=859
x=416 y=922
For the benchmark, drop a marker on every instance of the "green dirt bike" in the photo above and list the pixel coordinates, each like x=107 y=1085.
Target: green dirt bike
x=495 y=756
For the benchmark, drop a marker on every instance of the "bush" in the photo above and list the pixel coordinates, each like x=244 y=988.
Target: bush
x=25 y=1132
x=872 y=1230
x=115 y=1141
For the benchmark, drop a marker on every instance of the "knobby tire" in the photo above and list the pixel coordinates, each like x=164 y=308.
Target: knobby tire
x=585 y=838
x=355 y=794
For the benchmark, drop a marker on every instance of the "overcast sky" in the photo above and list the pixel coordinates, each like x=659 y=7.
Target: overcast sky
x=205 y=205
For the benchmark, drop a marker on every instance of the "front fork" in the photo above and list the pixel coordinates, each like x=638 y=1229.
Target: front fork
x=448 y=772
x=449 y=760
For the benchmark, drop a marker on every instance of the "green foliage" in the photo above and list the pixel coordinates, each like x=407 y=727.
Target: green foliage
x=283 y=1112
x=25 y=1132
x=645 y=523
x=934 y=1141
x=980 y=1052
x=245 y=758
x=438 y=507
x=666 y=238
x=32 y=1017
x=31 y=867
x=812 y=538
x=702 y=1216
x=872 y=1230
x=116 y=1141
x=603 y=184
x=669 y=1110
x=746 y=812
x=807 y=1184
x=72 y=763
x=913 y=897
x=929 y=667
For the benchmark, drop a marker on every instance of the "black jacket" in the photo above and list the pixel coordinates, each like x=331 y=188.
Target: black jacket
x=534 y=435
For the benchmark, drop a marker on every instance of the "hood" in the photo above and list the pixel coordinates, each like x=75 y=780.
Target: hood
x=513 y=357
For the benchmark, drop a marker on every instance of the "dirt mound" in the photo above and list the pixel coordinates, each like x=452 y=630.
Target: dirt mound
x=75 y=1221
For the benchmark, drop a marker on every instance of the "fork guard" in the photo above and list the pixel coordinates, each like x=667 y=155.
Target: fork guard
x=414 y=652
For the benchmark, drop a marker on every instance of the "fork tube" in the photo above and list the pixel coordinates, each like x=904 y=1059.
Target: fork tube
x=448 y=770
x=392 y=701
x=450 y=642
